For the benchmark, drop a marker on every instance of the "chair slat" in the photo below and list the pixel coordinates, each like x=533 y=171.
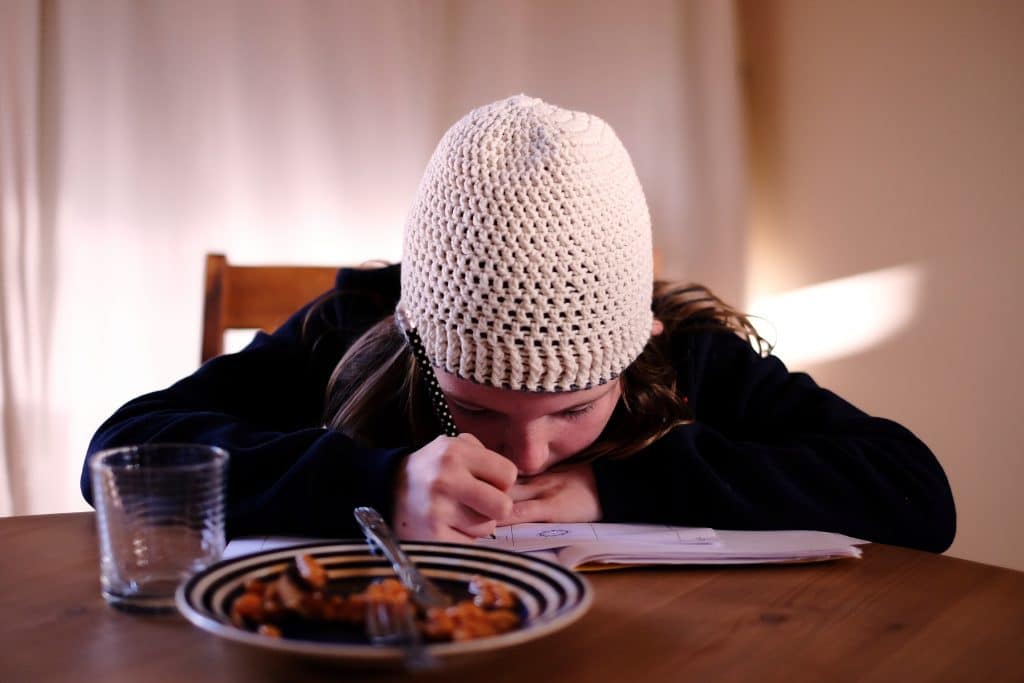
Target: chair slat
x=255 y=297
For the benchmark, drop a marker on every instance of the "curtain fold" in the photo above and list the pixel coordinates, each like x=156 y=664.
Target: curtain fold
x=22 y=342
x=136 y=136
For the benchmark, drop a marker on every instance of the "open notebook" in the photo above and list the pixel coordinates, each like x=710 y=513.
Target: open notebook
x=602 y=545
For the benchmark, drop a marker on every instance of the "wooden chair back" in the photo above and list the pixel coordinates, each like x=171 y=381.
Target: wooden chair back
x=255 y=297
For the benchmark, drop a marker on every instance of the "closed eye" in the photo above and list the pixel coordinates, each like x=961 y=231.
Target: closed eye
x=470 y=411
x=572 y=414
x=577 y=412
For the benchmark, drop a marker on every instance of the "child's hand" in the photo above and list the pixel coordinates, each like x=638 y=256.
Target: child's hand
x=562 y=494
x=453 y=489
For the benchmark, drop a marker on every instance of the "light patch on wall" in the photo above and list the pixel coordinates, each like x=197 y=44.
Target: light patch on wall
x=236 y=340
x=841 y=317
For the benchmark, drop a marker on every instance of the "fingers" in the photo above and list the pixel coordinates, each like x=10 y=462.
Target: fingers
x=528 y=511
x=567 y=495
x=450 y=535
x=476 y=477
x=453 y=489
x=456 y=524
x=536 y=486
x=472 y=524
x=522 y=492
x=481 y=497
x=488 y=465
x=526 y=491
x=469 y=438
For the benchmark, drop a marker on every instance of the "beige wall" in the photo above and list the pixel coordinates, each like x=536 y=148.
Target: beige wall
x=889 y=134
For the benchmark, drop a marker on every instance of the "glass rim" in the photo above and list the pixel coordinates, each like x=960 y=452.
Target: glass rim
x=101 y=459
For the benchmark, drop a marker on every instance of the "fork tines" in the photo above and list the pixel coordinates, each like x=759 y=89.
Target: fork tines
x=390 y=623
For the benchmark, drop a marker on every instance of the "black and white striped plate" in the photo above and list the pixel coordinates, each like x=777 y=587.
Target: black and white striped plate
x=551 y=597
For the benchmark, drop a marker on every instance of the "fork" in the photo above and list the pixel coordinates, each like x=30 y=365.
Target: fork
x=389 y=623
x=422 y=590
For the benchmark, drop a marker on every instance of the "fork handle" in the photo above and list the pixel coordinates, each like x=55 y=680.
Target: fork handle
x=424 y=592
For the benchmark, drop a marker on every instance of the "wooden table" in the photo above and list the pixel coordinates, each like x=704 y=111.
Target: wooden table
x=894 y=615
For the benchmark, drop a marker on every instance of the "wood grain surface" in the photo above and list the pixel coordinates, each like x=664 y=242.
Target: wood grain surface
x=894 y=615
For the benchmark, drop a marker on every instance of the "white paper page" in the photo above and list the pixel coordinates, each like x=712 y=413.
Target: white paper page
x=253 y=544
x=734 y=547
x=782 y=543
x=528 y=537
x=674 y=545
x=613 y=561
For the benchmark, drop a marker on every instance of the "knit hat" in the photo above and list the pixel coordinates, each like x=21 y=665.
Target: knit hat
x=527 y=251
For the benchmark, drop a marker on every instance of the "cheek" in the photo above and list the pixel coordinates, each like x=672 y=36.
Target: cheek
x=487 y=430
x=573 y=437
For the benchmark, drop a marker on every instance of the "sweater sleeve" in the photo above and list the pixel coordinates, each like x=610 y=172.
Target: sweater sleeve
x=770 y=449
x=286 y=472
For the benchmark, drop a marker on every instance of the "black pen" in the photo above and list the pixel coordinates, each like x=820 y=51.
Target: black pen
x=437 y=399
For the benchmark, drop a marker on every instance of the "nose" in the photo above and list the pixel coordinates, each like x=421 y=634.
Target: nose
x=526 y=445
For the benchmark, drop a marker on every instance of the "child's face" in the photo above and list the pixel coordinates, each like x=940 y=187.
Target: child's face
x=534 y=430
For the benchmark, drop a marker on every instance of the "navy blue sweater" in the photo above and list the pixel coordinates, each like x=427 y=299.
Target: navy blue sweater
x=769 y=449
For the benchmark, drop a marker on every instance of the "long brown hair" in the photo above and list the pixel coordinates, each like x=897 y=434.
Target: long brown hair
x=376 y=393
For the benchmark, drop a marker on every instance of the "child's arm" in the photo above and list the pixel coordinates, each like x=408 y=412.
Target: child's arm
x=772 y=450
x=286 y=474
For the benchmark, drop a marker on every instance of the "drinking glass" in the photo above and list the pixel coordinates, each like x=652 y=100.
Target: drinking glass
x=160 y=518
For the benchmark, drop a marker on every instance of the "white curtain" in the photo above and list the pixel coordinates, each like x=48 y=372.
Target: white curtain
x=137 y=135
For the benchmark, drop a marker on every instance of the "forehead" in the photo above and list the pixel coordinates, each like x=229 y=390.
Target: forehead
x=511 y=402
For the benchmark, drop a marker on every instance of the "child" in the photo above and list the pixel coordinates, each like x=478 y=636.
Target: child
x=526 y=275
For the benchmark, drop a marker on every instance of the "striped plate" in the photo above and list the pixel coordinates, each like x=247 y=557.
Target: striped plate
x=551 y=597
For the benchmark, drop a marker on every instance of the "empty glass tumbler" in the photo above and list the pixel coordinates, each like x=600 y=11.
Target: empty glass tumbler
x=160 y=519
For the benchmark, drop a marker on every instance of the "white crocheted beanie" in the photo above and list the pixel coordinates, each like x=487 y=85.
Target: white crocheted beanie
x=527 y=251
